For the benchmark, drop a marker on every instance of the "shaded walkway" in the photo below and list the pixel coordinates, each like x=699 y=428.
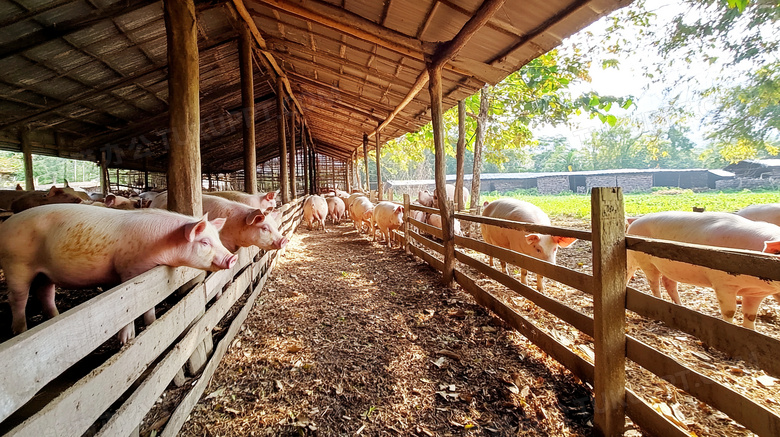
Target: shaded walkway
x=350 y=337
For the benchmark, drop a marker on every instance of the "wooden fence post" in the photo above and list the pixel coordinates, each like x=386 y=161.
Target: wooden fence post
x=29 y=180
x=365 y=161
x=248 y=108
x=406 y=222
x=293 y=157
x=609 y=314
x=284 y=177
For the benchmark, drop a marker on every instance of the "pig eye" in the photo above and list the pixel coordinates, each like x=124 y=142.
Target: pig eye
x=205 y=243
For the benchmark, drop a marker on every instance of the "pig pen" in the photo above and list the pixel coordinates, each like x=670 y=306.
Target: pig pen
x=73 y=378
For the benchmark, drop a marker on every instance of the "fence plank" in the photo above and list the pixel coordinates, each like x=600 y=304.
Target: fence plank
x=572 y=278
x=750 y=414
x=425 y=227
x=522 y=226
x=430 y=244
x=182 y=411
x=609 y=313
x=649 y=420
x=217 y=280
x=77 y=408
x=427 y=257
x=734 y=261
x=425 y=209
x=55 y=345
x=143 y=398
x=556 y=308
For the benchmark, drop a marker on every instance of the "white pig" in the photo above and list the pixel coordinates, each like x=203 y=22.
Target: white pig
x=77 y=246
x=712 y=229
x=435 y=220
x=388 y=216
x=361 y=212
x=351 y=198
x=336 y=208
x=544 y=247
x=245 y=226
x=262 y=201
x=315 y=210
x=769 y=212
x=451 y=195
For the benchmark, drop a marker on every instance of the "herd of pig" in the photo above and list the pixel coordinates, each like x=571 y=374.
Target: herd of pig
x=62 y=238
x=756 y=228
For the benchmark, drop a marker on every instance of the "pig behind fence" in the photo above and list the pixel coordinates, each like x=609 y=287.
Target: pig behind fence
x=78 y=246
x=540 y=246
x=315 y=210
x=262 y=201
x=711 y=229
x=387 y=216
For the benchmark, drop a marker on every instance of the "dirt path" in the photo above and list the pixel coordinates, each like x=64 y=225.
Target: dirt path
x=352 y=338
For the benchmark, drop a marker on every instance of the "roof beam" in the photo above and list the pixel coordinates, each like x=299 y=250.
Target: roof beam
x=445 y=52
x=46 y=34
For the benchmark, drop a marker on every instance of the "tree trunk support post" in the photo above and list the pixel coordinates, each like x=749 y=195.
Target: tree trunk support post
x=407 y=203
x=379 y=187
x=293 y=158
x=184 y=181
x=460 y=154
x=305 y=153
x=437 y=119
x=29 y=179
x=609 y=315
x=284 y=176
x=248 y=108
x=365 y=161
x=103 y=174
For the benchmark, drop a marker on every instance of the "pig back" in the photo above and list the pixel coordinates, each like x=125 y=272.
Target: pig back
x=387 y=214
x=335 y=205
x=769 y=212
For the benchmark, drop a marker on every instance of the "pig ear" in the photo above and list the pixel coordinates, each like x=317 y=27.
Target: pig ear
x=564 y=241
x=219 y=223
x=110 y=200
x=486 y=203
x=399 y=209
x=53 y=191
x=270 y=195
x=533 y=238
x=192 y=230
x=772 y=247
x=255 y=217
x=630 y=220
x=19 y=187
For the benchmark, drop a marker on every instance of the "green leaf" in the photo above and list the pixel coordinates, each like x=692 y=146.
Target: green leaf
x=594 y=101
x=627 y=104
x=611 y=120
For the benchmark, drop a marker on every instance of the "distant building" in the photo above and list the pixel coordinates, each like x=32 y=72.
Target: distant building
x=756 y=168
x=631 y=180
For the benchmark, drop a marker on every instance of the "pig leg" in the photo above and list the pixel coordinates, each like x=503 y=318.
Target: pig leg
x=18 y=290
x=671 y=289
x=523 y=275
x=322 y=223
x=727 y=300
x=654 y=278
x=750 y=306
x=539 y=282
x=127 y=333
x=43 y=289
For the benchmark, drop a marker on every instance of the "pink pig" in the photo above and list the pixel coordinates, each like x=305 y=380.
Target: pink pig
x=544 y=247
x=768 y=212
x=245 y=226
x=36 y=198
x=77 y=246
x=712 y=229
x=261 y=201
x=315 y=210
x=360 y=212
x=387 y=216
x=336 y=208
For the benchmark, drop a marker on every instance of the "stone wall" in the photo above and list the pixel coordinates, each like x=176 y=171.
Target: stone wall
x=638 y=182
x=749 y=183
x=600 y=181
x=552 y=184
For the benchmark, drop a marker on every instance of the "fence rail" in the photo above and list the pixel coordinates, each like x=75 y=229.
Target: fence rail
x=135 y=376
x=748 y=345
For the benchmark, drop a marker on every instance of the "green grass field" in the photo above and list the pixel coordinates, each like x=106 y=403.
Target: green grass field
x=674 y=199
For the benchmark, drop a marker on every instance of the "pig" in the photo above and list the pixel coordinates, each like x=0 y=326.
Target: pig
x=32 y=199
x=712 y=229
x=361 y=212
x=387 y=216
x=81 y=194
x=261 y=201
x=351 y=198
x=336 y=209
x=435 y=220
x=315 y=210
x=769 y=212
x=543 y=247
x=76 y=246
x=244 y=226
x=120 y=202
x=430 y=198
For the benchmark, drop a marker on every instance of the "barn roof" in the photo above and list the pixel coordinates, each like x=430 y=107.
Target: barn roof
x=83 y=77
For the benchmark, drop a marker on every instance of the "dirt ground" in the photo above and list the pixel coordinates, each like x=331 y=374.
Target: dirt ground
x=350 y=338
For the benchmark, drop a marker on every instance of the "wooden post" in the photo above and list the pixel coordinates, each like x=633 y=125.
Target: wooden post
x=609 y=309
x=365 y=161
x=407 y=203
x=29 y=180
x=146 y=175
x=184 y=182
x=379 y=188
x=459 y=156
x=211 y=183
x=248 y=108
x=437 y=119
x=306 y=180
x=103 y=174
x=348 y=176
x=284 y=177
x=314 y=170
x=293 y=184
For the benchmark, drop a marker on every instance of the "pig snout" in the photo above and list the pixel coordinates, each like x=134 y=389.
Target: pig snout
x=225 y=262
x=280 y=243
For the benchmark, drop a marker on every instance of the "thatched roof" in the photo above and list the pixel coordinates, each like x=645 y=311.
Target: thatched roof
x=86 y=76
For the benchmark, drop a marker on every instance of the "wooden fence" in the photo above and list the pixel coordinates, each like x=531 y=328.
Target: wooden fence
x=611 y=299
x=39 y=398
